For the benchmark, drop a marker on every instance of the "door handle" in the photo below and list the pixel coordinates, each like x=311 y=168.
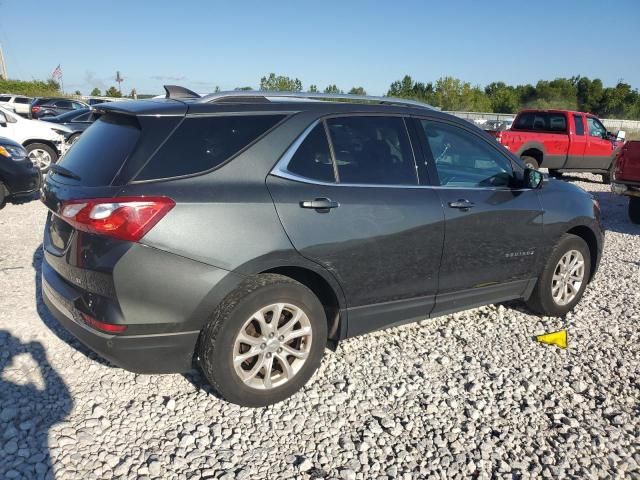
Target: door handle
x=320 y=204
x=462 y=204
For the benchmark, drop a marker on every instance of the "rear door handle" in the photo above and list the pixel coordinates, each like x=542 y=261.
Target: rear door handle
x=462 y=204
x=320 y=204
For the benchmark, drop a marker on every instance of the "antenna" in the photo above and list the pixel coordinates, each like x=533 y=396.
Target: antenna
x=3 y=67
x=119 y=79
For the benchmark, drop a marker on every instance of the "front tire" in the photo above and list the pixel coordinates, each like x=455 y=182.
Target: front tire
x=634 y=209
x=564 y=278
x=42 y=156
x=530 y=162
x=264 y=341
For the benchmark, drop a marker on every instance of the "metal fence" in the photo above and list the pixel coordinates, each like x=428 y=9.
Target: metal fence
x=612 y=124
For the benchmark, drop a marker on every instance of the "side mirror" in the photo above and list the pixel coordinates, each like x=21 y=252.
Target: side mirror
x=533 y=178
x=621 y=135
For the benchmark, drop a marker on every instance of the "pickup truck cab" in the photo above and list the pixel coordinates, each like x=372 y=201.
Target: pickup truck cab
x=562 y=141
x=626 y=177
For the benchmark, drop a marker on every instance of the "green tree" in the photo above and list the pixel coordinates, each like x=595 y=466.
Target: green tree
x=453 y=94
x=133 y=94
x=96 y=92
x=589 y=94
x=33 y=88
x=313 y=89
x=332 y=89
x=243 y=88
x=77 y=92
x=503 y=98
x=280 y=83
x=357 y=91
x=113 y=92
x=407 y=88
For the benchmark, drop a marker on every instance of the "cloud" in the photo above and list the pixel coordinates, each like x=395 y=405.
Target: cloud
x=91 y=79
x=173 y=78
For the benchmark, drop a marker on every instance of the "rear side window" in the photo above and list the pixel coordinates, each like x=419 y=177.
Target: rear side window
x=577 y=119
x=101 y=150
x=5 y=99
x=63 y=104
x=203 y=143
x=372 y=150
x=541 y=122
x=313 y=158
x=22 y=100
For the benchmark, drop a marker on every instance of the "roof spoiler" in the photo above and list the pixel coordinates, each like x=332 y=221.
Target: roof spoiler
x=176 y=91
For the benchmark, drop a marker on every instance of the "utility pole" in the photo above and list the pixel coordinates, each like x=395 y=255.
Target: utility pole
x=119 y=79
x=3 y=67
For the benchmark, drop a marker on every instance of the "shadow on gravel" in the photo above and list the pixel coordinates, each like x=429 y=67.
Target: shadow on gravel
x=50 y=321
x=26 y=411
x=614 y=213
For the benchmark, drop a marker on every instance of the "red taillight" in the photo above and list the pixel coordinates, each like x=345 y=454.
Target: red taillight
x=102 y=326
x=499 y=137
x=125 y=218
x=35 y=109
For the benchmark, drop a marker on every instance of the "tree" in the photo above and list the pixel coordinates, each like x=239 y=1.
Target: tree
x=113 y=92
x=78 y=92
x=280 y=83
x=133 y=94
x=96 y=92
x=243 y=88
x=332 y=89
x=357 y=91
x=503 y=98
x=313 y=89
x=33 y=88
x=407 y=88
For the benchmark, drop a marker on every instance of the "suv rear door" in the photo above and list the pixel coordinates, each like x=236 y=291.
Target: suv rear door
x=493 y=226
x=349 y=197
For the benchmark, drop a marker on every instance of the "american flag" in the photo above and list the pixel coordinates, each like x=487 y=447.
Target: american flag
x=57 y=72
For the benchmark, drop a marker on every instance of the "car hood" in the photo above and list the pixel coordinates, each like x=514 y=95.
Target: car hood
x=44 y=128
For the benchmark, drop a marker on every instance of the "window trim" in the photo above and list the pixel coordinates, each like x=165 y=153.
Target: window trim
x=595 y=119
x=280 y=169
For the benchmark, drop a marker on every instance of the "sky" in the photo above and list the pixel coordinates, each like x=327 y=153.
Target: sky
x=204 y=44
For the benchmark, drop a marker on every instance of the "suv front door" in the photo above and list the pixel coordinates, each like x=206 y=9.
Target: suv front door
x=493 y=226
x=348 y=195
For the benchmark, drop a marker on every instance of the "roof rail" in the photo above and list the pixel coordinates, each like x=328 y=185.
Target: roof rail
x=176 y=91
x=262 y=95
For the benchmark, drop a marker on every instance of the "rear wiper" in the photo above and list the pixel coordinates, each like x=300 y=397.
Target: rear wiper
x=65 y=172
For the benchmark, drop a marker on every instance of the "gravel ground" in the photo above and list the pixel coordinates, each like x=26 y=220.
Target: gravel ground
x=466 y=395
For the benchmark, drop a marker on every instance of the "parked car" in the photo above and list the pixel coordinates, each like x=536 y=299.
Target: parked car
x=244 y=232
x=77 y=121
x=626 y=177
x=19 y=178
x=17 y=103
x=562 y=141
x=43 y=107
x=44 y=142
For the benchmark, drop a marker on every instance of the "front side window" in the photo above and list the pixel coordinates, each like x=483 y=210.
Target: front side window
x=596 y=129
x=577 y=119
x=372 y=150
x=463 y=159
x=313 y=158
x=203 y=143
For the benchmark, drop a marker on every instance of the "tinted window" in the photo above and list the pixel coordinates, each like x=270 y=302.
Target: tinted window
x=102 y=149
x=69 y=116
x=313 y=158
x=22 y=100
x=541 y=121
x=373 y=150
x=63 y=104
x=577 y=119
x=83 y=117
x=464 y=159
x=596 y=129
x=5 y=99
x=200 y=144
x=77 y=105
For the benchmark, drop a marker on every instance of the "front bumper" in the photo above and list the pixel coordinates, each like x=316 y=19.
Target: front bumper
x=153 y=353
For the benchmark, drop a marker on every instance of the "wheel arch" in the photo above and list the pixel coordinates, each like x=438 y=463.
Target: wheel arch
x=591 y=240
x=533 y=150
x=48 y=143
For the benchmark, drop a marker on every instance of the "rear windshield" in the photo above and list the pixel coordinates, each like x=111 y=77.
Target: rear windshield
x=101 y=150
x=541 y=122
x=203 y=143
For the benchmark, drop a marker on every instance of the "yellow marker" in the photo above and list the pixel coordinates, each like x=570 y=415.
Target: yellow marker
x=558 y=338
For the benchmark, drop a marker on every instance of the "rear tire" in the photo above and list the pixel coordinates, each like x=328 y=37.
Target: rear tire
x=3 y=195
x=530 y=162
x=72 y=139
x=42 y=156
x=634 y=209
x=547 y=297
x=241 y=344
x=606 y=177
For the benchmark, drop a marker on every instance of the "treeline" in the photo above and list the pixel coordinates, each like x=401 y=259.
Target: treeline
x=34 y=88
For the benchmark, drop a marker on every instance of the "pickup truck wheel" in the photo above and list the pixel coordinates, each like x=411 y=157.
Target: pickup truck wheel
x=264 y=341
x=42 y=156
x=564 y=278
x=606 y=177
x=634 y=209
x=530 y=162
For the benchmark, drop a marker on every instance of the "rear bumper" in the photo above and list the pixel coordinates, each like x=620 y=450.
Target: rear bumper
x=153 y=353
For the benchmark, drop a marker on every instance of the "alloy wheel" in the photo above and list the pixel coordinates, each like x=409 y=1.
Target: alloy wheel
x=272 y=346
x=41 y=158
x=568 y=277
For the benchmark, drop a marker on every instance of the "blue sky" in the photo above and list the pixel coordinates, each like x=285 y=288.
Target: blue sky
x=202 y=44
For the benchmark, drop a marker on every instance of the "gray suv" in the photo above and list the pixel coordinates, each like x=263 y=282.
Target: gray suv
x=246 y=232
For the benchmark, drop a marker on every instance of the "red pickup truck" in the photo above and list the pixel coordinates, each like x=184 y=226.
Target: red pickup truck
x=626 y=177
x=562 y=141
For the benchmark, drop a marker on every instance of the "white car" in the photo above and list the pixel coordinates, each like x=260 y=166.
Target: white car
x=45 y=142
x=18 y=103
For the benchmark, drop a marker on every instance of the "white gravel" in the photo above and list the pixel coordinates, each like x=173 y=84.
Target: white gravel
x=466 y=395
